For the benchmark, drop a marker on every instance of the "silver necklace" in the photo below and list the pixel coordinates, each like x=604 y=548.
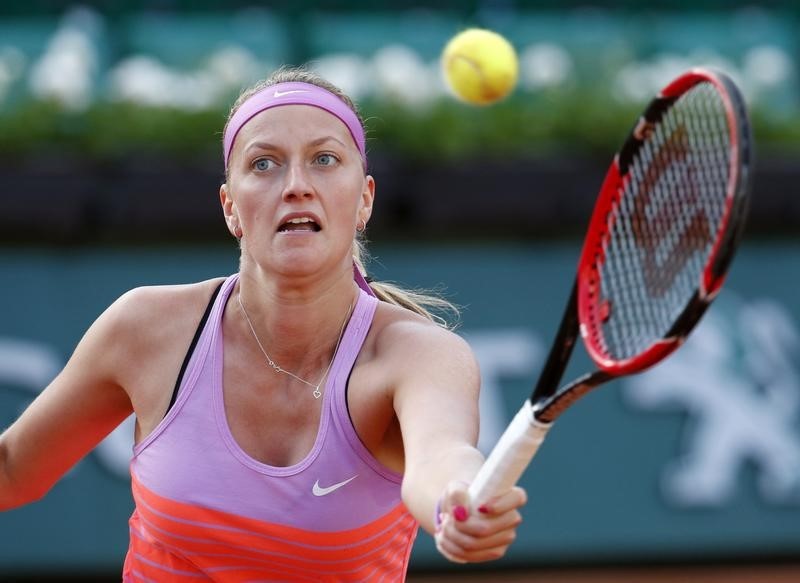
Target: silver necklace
x=317 y=393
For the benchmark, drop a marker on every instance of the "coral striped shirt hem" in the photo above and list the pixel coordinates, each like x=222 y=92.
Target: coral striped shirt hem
x=178 y=541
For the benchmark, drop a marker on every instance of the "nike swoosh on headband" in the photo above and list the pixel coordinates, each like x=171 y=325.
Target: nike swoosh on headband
x=282 y=93
x=293 y=93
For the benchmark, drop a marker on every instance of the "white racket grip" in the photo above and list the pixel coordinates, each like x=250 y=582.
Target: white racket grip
x=509 y=458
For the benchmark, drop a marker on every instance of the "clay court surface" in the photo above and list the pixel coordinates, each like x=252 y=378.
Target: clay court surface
x=767 y=573
x=671 y=574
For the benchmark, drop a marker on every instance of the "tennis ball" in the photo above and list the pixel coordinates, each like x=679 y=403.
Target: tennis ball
x=480 y=66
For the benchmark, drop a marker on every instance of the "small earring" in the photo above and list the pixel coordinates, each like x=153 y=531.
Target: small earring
x=361 y=226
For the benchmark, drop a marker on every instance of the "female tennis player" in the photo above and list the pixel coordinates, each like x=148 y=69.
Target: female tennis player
x=317 y=419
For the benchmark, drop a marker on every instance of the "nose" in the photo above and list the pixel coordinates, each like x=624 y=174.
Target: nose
x=298 y=182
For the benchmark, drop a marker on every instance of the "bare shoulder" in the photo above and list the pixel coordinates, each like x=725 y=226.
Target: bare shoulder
x=145 y=323
x=410 y=343
x=140 y=341
x=151 y=308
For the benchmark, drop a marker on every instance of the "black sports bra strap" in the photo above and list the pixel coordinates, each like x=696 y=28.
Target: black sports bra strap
x=192 y=346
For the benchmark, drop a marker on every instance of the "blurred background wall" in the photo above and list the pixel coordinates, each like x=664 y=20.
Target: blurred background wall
x=110 y=125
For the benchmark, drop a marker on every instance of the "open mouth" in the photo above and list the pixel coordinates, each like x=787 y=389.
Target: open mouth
x=299 y=224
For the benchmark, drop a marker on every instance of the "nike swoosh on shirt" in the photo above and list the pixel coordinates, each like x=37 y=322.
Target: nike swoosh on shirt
x=318 y=490
x=282 y=93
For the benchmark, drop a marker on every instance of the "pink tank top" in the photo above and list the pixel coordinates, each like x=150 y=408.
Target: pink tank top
x=205 y=510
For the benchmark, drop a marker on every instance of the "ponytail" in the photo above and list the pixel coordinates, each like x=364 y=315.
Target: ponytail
x=421 y=302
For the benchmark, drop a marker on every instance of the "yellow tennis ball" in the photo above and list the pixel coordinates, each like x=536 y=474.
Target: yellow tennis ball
x=480 y=66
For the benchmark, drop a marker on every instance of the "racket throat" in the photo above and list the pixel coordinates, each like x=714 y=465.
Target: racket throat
x=548 y=410
x=561 y=350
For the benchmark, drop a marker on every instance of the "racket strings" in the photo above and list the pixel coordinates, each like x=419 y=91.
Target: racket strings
x=662 y=231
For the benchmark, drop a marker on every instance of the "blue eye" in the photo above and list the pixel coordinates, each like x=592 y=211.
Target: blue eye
x=262 y=164
x=327 y=159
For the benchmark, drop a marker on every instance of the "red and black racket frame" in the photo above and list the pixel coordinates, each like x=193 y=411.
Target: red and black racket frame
x=585 y=312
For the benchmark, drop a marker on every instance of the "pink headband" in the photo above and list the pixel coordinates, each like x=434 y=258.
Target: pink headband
x=293 y=93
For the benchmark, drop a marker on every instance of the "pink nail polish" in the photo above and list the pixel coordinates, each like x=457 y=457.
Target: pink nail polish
x=483 y=509
x=460 y=513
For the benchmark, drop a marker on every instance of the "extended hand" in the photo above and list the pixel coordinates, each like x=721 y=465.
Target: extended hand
x=472 y=535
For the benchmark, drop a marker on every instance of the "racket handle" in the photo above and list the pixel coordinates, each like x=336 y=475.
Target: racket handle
x=509 y=458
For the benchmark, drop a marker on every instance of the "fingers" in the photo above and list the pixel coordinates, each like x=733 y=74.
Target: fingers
x=476 y=535
x=514 y=498
x=477 y=538
x=456 y=496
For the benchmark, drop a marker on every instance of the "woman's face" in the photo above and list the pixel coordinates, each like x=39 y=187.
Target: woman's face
x=297 y=190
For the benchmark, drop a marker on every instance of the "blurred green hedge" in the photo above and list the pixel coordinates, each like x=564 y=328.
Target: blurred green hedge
x=560 y=124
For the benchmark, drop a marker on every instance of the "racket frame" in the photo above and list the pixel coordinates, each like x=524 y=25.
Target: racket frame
x=589 y=312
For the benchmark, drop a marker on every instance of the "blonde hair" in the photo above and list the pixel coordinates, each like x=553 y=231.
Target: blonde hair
x=424 y=303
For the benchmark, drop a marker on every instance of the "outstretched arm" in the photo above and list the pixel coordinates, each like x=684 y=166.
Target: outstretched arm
x=436 y=401
x=81 y=406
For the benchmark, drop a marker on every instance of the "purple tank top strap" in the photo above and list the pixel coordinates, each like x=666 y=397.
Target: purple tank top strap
x=359 y=327
x=196 y=361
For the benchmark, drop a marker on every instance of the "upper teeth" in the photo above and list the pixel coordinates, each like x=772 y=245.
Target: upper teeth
x=300 y=220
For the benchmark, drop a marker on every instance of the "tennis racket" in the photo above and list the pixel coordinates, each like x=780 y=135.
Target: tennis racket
x=665 y=227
